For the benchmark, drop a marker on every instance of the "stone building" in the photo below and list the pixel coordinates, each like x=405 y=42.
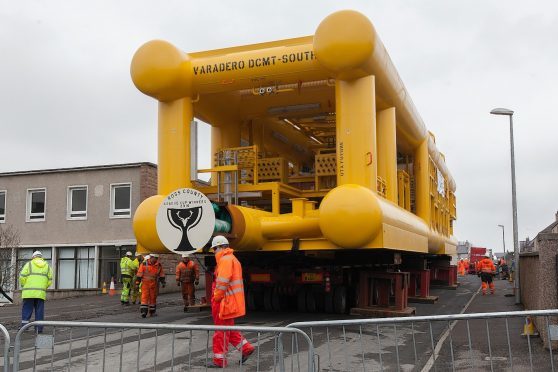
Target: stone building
x=79 y=218
x=538 y=277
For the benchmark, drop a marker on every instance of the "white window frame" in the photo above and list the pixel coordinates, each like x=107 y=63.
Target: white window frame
x=69 y=202
x=28 y=205
x=3 y=216
x=113 y=186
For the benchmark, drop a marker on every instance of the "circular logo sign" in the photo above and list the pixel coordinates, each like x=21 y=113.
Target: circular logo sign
x=185 y=221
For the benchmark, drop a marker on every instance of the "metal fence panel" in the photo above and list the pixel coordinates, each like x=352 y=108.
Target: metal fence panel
x=481 y=341
x=99 y=346
x=6 y=348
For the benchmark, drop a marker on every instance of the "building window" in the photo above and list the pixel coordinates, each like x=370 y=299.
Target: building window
x=121 y=200
x=2 y=206
x=77 y=203
x=36 y=205
x=24 y=255
x=76 y=267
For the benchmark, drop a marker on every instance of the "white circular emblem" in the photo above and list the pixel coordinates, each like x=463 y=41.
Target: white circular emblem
x=185 y=221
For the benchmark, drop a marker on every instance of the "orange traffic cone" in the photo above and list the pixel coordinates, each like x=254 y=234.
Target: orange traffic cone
x=111 y=290
x=104 y=288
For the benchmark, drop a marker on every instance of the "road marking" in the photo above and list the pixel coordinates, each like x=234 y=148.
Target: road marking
x=430 y=363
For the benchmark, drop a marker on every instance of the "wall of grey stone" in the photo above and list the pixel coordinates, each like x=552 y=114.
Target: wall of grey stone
x=539 y=280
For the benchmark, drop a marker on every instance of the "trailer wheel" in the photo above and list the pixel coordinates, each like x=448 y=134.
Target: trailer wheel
x=268 y=299
x=310 y=301
x=340 y=300
x=328 y=301
x=250 y=301
x=277 y=300
x=301 y=300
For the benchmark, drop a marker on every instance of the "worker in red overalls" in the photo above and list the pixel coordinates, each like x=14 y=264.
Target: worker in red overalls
x=227 y=303
x=150 y=273
x=187 y=277
x=487 y=271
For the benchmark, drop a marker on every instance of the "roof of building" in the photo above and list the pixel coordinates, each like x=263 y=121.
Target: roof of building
x=77 y=169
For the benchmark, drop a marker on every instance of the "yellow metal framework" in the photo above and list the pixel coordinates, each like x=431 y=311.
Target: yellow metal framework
x=326 y=118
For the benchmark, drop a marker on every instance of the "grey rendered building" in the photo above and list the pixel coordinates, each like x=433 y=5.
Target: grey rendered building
x=79 y=218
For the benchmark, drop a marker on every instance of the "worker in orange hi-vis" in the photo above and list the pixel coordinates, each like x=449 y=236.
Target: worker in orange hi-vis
x=461 y=267
x=227 y=303
x=487 y=271
x=187 y=277
x=150 y=273
x=466 y=264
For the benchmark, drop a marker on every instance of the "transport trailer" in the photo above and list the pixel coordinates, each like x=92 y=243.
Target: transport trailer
x=475 y=255
x=325 y=179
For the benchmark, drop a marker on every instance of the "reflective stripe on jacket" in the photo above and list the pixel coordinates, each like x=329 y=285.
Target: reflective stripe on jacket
x=149 y=271
x=126 y=266
x=35 y=278
x=229 y=286
x=187 y=272
x=486 y=266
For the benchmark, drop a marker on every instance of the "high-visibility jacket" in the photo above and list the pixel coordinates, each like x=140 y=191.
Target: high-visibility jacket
x=229 y=287
x=126 y=267
x=150 y=272
x=187 y=272
x=35 y=278
x=486 y=265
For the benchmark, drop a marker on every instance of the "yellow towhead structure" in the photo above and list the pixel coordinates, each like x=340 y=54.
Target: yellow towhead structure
x=318 y=147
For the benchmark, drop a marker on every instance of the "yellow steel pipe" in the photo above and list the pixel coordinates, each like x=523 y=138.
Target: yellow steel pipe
x=356 y=132
x=387 y=151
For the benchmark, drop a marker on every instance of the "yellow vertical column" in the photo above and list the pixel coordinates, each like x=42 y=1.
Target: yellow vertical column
x=215 y=147
x=174 y=145
x=387 y=151
x=422 y=182
x=356 y=132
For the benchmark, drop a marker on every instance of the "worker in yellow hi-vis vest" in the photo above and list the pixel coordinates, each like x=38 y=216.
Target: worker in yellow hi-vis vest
x=35 y=278
x=126 y=273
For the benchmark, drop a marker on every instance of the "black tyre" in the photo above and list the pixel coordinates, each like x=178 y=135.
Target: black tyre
x=301 y=300
x=268 y=297
x=310 y=301
x=340 y=300
x=328 y=301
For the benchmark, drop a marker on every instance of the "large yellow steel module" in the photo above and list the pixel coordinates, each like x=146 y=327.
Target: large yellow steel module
x=279 y=93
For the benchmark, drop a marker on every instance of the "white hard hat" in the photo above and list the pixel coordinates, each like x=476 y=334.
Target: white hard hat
x=147 y=257
x=36 y=254
x=154 y=255
x=185 y=255
x=487 y=255
x=128 y=253
x=218 y=241
x=139 y=254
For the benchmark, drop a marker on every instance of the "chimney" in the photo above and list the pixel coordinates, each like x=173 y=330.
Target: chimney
x=556 y=215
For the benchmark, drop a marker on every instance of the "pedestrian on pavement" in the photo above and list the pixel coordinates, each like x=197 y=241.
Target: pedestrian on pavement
x=135 y=292
x=227 y=303
x=34 y=279
x=487 y=271
x=151 y=274
x=126 y=274
x=187 y=277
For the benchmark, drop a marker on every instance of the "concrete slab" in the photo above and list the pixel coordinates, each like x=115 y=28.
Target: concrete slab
x=382 y=312
x=423 y=300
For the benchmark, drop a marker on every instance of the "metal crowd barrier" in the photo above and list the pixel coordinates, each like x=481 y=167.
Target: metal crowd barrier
x=123 y=346
x=6 y=340
x=481 y=341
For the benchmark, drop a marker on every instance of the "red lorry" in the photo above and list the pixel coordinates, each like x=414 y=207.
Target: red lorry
x=475 y=254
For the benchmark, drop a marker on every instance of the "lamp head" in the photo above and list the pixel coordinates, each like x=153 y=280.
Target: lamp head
x=502 y=111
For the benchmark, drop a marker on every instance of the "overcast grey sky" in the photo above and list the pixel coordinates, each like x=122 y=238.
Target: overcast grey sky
x=66 y=97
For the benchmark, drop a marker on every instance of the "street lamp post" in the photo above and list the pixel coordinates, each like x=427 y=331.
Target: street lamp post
x=503 y=239
x=509 y=113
